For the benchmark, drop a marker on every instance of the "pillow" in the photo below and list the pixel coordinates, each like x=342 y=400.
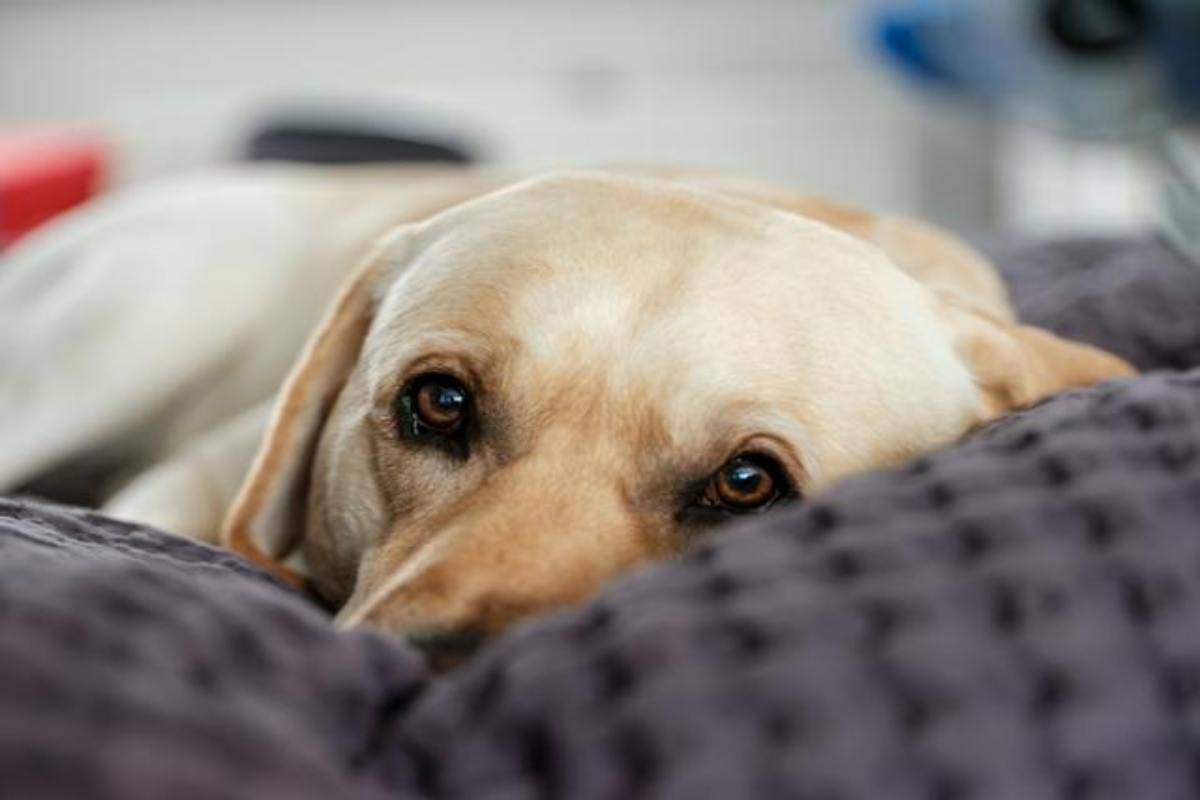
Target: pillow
x=1136 y=297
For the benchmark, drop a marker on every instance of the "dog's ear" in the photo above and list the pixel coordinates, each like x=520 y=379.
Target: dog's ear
x=1017 y=365
x=266 y=520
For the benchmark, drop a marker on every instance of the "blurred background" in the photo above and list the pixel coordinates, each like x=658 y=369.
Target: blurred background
x=788 y=90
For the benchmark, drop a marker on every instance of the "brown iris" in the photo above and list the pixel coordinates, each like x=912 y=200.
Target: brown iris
x=434 y=405
x=745 y=483
x=442 y=405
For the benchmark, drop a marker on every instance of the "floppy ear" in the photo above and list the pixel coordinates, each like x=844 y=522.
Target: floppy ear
x=266 y=520
x=1017 y=365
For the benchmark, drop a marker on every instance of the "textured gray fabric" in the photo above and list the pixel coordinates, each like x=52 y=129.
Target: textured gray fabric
x=1015 y=617
x=1134 y=297
x=139 y=665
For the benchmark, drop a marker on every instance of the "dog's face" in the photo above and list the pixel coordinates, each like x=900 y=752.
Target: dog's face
x=531 y=392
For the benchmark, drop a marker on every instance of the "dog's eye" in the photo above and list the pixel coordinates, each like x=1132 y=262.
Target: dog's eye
x=746 y=482
x=434 y=404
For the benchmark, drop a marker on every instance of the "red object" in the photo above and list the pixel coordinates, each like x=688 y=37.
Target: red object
x=42 y=174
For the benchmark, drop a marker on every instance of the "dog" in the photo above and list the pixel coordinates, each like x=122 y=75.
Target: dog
x=525 y=387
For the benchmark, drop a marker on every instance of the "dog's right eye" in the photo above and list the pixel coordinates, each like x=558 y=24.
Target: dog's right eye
x=434 y=406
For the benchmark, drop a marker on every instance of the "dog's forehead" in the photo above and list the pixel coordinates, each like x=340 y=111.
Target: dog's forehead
x=589 y=252
x=676 y=302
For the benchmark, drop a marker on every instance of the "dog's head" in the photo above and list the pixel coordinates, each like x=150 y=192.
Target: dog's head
x=525 y=394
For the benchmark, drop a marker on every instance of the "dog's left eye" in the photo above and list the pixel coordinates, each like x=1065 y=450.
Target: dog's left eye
x=434 y=405
x=747 y=482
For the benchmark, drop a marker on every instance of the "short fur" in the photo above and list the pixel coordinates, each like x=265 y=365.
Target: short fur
x=624 y=335
x=624 y=332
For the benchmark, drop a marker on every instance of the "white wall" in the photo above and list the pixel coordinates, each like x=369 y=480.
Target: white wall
x=1048 y=184
x=782 y=89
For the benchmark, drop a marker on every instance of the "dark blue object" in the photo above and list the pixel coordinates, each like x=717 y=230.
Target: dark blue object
x=902 y=36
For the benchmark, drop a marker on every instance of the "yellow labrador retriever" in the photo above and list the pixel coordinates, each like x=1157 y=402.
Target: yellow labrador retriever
x=515 y=398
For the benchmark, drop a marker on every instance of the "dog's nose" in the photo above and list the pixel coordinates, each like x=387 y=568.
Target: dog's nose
x=446 y=647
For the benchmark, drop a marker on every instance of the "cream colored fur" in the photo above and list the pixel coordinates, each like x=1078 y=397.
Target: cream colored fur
x=624 y=334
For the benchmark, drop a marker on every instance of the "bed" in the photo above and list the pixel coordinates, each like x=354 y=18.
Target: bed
x=1017 y=616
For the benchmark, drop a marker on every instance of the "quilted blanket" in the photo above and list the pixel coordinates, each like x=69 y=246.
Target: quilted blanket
x=1014 y=617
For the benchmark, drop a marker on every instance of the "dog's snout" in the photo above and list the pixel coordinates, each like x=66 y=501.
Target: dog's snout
x=445 y=647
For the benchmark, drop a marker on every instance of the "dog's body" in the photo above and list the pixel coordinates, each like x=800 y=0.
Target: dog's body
x=162 y=307
x=517 y=397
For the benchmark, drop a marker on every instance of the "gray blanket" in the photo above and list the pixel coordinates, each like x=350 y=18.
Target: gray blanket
x=1015 y=617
